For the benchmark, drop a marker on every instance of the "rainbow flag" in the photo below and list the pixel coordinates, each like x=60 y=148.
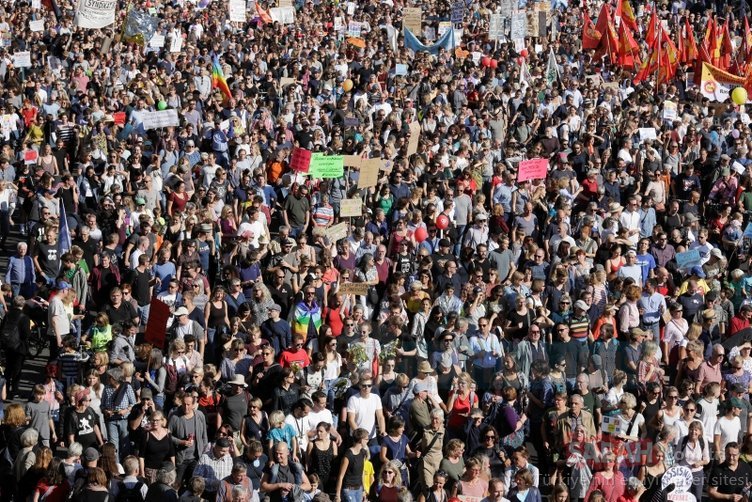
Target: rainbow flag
x=218 y=79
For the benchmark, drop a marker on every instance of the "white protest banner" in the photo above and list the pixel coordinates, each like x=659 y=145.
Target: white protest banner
x=519 y=26
x=336 y=232
x=236 y=11
x=157 y=41
x=22 y=59
x=37 y=25
x=354 y=29
x=350 y=207
x=496 y=27
x=163 y=118
x=412 y=19
x=647 y=133
x=283 y=15
x=176 y=41
x=95 y=14
x=444 y=26
x=669 y=110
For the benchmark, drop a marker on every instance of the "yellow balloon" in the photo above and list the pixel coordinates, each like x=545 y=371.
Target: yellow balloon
x=739 y=95
x=347 y=85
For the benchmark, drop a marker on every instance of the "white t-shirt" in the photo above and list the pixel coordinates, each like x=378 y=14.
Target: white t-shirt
x=365 y=411
x=301 y=426
x=316 y=417
x=708 y=417
x=728 y=429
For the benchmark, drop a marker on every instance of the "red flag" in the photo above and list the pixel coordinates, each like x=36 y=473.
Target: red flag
x=709 y=42
x=628 y=48
x=690 y=45
x=609 y=44
x=651 y=30
x=263 y=14
x=746 y=40
x=590 y=36
x=668 y=60
x=727 y=48
x=627 y=15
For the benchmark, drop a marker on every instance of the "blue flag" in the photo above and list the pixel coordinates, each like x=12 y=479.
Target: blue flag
x=64 y=241
x=445 y=42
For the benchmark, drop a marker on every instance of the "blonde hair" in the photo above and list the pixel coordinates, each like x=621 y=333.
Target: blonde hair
x=276 y=419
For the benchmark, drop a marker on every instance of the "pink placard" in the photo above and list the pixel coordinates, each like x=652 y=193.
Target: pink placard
x=532 y=169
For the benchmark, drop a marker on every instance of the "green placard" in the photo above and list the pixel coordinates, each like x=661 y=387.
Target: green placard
x=327 y=166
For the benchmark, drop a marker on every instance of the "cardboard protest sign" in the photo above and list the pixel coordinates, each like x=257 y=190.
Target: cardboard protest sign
x=412 y=19
x=412 y=144
x=36 y=26
x=369 y=173
x=236 y=11
x=352 y=160
x=95 y=14
x=353 y=288
x=533 y=169
x=349 y=208
x=647 y=133
x=337 y=232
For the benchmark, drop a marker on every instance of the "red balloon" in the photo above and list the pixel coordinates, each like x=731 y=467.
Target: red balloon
x=442 y=221
x=523 y=53
x=485 y=61
x=494 y=63
x=420 y=234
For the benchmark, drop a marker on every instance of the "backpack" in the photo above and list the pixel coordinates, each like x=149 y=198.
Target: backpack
x=171 y=382
x=132 y=494
x=685 y=440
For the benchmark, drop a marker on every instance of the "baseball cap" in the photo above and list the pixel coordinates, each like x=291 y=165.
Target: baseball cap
x=91 y=454
x=580 y=304
x=181 y=311
x=697 y=270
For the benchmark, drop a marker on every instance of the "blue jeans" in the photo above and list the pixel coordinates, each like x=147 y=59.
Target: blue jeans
x=117 y=432
x=350 y=495
x=143 y=313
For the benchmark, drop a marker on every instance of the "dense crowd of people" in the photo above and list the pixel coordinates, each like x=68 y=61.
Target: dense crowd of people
x=581 y=336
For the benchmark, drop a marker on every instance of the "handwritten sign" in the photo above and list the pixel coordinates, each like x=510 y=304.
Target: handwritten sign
x=236 y=11
x=496 y=27
x=369 y=173
x=119 y=118
x=354 y=28
x=22 y=59
x=300 y=160
x=412 y=144
x=519 y=26
x=669 y=110
x=162 y=118
x=458 y=11
x=36 y=26
x=647 y=133
x=412 y=19
x=688 y=259
x=326 y=166
x=337 y=232
x=353 y=288
x=680 y=476
x=352 y=160
x=350 y=208
x=283 y=15
x=533 y=169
